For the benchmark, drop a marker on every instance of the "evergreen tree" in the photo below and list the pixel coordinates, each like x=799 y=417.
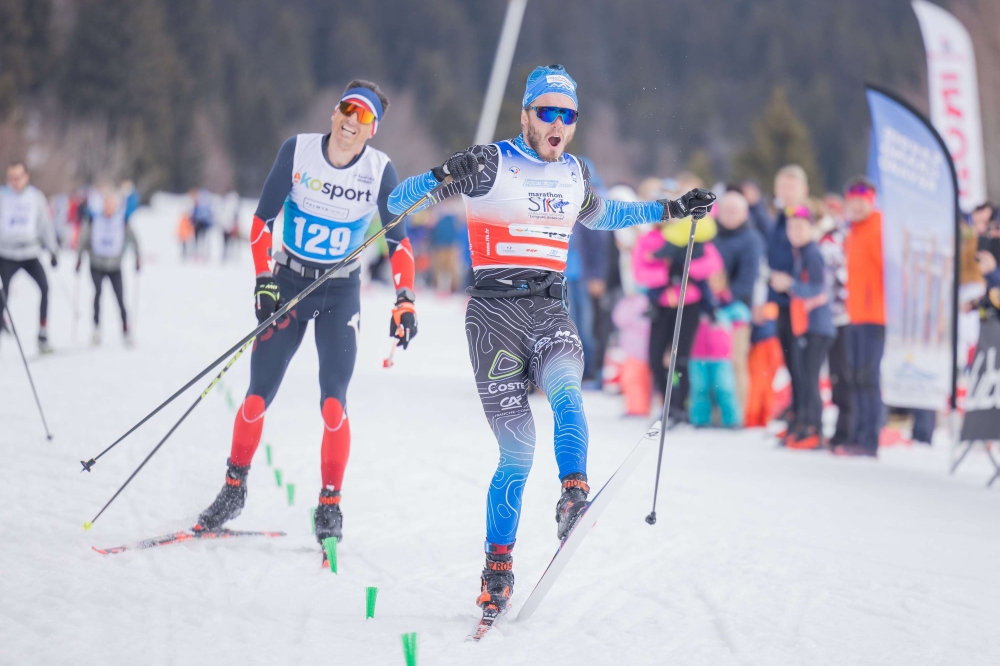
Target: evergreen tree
x=253 y=123
x=700 y=164
x=779 y=138
x=195 y=34
x=24 y=48
x=121 y=67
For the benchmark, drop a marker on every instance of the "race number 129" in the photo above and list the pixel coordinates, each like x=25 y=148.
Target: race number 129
x=337 y=239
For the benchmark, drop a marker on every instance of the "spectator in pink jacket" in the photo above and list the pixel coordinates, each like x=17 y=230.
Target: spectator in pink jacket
x=658 y=264
x=713 y=379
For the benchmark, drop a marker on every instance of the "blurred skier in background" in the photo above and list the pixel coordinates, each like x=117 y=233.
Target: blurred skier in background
x=230 y=225
x=25 y=229
x=202 y=217
x=105 y=235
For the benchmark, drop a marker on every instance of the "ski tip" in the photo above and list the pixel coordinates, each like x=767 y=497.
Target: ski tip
x=87 y=525
x=98 y=550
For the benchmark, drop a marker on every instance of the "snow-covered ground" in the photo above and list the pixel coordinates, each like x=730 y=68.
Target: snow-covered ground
x=760 y=555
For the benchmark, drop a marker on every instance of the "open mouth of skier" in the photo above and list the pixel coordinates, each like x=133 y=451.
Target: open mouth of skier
x=348 y=131
x=554 y=141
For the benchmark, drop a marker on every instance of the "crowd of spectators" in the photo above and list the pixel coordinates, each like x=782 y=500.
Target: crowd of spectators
x=785 y=298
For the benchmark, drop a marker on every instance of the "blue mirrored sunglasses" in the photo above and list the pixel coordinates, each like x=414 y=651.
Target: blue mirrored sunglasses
x=548 y=114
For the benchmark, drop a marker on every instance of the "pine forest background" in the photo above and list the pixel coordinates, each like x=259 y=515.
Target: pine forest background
x=178 y=93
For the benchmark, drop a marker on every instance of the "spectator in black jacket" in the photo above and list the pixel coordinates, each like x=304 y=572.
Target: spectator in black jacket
x=586 y=273
x=742 y=249
x=984 y=223
x=791 y=190
x=740 y=245
x=760 y=218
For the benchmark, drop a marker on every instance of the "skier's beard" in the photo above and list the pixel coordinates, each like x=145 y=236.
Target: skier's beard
x=536 y=141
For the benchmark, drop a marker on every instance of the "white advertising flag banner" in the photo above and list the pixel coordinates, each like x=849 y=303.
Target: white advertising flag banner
x=954 y=93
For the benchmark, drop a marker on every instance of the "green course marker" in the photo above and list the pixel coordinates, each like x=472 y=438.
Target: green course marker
x=410 y=648
x=267 y=450
x=370 y=594
x=290 y=487
x=330 y=546
x=277 y=476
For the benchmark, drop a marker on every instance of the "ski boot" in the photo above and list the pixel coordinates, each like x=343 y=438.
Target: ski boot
x=787 y=437
x=572 y=503
x=329 y=520
x=43 y=341
x=805 y=439
x=229 y=503
x=498 y=583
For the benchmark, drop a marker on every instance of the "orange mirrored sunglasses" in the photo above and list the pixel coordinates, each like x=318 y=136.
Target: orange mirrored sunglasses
x=365 y=115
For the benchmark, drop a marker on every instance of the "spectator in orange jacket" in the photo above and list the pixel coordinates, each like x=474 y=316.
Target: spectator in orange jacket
x=866 y=309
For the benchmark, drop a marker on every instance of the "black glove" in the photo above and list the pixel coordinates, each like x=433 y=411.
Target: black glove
x=403 y=324
x=55 y=260
x=695 y=203
x=457 y=166
x=266 y=298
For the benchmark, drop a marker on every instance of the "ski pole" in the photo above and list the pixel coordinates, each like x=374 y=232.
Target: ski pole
x=135 y=304
x=651 y=518
x=64 y=290
x=388 y=362
x=76 y=305
x=13 y=329
x=87 y=525
x=438 y=194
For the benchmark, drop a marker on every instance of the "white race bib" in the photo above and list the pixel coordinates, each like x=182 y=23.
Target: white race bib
x=328 y=210
x=107 y=234
x=18 y=216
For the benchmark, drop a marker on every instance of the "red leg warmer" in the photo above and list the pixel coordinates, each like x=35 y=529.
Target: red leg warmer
x=336 y=443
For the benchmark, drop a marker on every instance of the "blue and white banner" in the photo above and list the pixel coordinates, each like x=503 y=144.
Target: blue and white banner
x=918 y=197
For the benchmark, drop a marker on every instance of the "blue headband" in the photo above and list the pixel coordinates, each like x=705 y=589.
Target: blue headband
x=551 y=79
